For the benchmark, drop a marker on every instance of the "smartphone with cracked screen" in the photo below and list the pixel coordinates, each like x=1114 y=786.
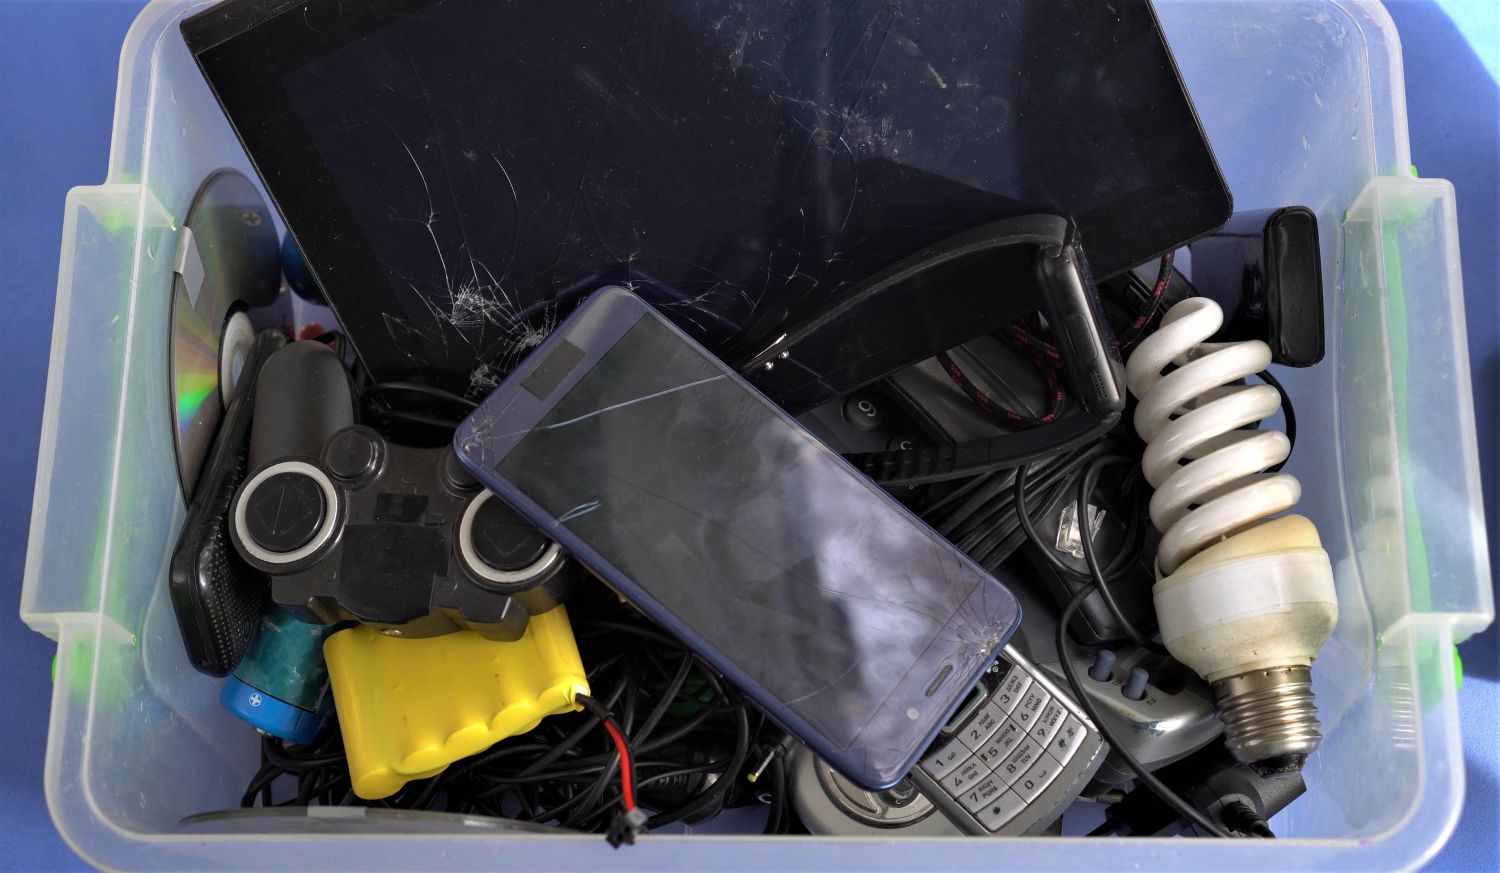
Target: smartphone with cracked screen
x=841 y=614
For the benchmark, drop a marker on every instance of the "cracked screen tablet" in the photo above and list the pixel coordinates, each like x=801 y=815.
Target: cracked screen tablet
x=727 y=522
x=459 y=172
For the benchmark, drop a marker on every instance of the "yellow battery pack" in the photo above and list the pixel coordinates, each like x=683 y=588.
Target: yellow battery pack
x=410 y=707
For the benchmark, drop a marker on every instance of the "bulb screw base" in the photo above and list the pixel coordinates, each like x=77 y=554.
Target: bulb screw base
x=1270 y=717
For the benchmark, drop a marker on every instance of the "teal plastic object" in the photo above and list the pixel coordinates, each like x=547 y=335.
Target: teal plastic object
x=281 y=686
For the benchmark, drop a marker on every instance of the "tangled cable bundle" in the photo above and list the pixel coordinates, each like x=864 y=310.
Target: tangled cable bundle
x=689 y=735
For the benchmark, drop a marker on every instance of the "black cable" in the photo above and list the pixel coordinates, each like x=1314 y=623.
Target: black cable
x=628 y=702
x=682 y=730
x=429 y=791
x=958 y=493
x=721 y=786
x=685 y=698
x=1287 y=413
x=634 y=630
x=998 y=487
x=260 y=783
x=552 y=773
x=1070 y=670
x=549 y=815
x=775 y=818
x=665 y=703
x=1086 y=490
x=276 y=753
x=985 y=527
x=1057 y=489
x=620 y=758
x=655 y=745
x=1102 y=582
x=389 y=415
x=379 y=388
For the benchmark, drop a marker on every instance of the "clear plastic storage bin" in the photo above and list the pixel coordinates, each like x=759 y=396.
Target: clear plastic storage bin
x=1303 y=101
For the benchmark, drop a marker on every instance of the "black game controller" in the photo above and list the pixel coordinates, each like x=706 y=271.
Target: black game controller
x=400 y=538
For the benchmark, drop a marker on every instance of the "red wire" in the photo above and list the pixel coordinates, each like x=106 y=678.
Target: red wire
x=627 y=782
x=1163 y=281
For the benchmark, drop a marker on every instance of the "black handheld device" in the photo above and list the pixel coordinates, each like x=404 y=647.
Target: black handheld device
x=1265 y=268
x=941 y=297
x=218 y=597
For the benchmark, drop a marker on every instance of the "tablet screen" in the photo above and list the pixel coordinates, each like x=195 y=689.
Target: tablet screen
x=458 y=171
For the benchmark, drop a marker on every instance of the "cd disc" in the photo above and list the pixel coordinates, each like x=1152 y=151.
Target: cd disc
x=227 y=261
x=831 y=805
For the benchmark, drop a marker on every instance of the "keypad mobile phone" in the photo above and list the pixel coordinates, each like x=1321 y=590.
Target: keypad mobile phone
x=1015 y=754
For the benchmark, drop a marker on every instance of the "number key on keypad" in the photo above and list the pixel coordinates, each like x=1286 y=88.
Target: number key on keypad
x=1031 y=706
x=968 y=774
x=985 y=792
x=1019 y=761
x=978 y=730
x=945 y=760
x=1000 y=745
x=1034 y=781
x=1049 y=722
x=1002 y=809
x=1016 y=684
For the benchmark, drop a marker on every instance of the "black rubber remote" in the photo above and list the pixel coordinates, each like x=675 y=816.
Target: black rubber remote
x=217 y=596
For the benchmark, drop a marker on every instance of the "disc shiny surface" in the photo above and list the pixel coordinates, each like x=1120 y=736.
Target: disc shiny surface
x=227 y=260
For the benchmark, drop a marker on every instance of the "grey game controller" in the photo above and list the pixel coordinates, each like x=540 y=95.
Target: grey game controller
x=1163 y=710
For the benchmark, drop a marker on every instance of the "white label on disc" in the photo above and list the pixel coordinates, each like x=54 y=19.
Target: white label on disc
x=188 y=264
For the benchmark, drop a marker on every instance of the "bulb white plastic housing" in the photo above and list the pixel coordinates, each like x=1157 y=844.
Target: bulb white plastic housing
x=1243 y=599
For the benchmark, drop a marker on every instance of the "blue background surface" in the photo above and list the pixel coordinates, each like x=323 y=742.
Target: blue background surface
x=57 y=80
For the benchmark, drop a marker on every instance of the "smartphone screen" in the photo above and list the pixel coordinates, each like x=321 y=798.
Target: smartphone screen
x=719 y=516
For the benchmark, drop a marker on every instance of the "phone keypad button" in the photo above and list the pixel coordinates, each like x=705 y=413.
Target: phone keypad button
x=1019 y=761
x=1035 y=780
x=968 y=774
x=945 y=760
x=1068 y=739
x=1001 y=744
x=988 y=790
x=1031 y=706
x=1049 y=722
x=1015 y=684
x=982 y=726
x=1002 y=809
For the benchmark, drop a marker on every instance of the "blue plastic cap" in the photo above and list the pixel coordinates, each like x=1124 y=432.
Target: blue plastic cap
x=270 y=714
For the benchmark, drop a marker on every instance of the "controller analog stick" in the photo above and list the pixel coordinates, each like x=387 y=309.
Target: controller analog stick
x=505 y=541
x=285 y=512
x=501 y=548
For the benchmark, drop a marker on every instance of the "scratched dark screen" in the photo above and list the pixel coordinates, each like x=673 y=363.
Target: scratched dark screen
x=747 y=531
x=737 y=163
